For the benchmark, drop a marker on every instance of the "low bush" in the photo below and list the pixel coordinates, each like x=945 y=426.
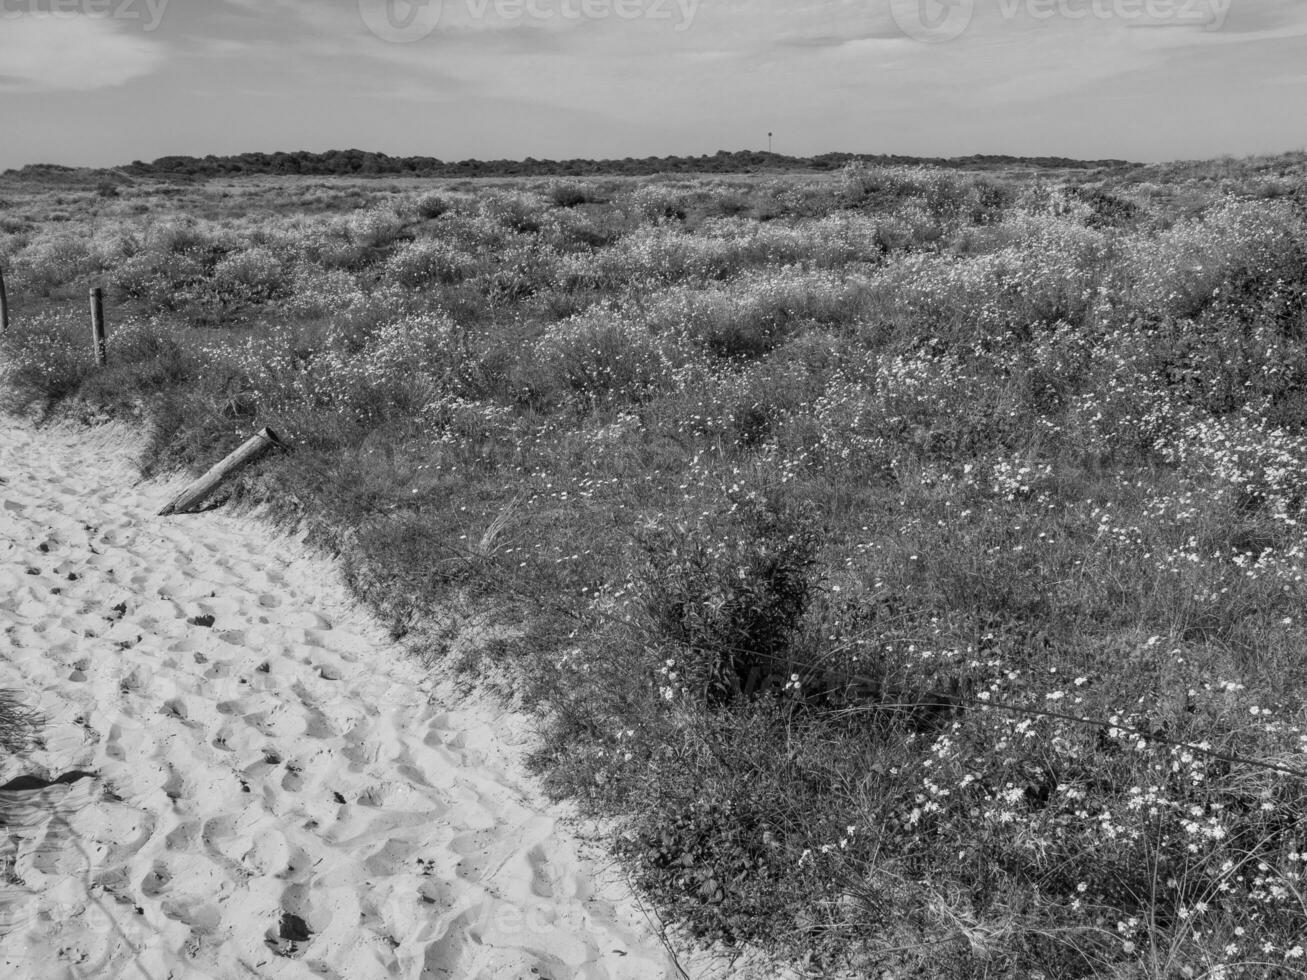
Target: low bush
x=725 y=596
x=431 y=206
x=568 y=194
x=427 y=261
x=53 y=260
x=659 y=202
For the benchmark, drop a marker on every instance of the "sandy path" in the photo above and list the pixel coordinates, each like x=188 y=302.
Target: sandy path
x=270 y=791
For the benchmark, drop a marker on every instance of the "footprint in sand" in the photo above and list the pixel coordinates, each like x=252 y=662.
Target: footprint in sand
x=541 y=885
x=156 y=882
x=306 y=620
x=394 y=857
x=269 y=853
x=174 y=786
x=446 y=956
x=184 y=836
x=204 y=918
x=293 y=781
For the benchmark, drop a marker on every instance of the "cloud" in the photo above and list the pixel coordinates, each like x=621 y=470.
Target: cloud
x=53 y=54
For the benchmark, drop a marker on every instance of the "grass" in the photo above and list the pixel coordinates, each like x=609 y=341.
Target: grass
x=19 y=726
x=912 y=560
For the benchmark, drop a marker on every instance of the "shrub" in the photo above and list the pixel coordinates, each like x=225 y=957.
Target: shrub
x=367 y=375
x=162 y=280
x=53 y=260
x=658 y=202
x=522 y=269
x=431 y=206
x=147 y=359
x=601 y=358
x=53 y=360
x=1107 y=210
x=726 y=201
x=743 y=405
x=376 y=226
x=1181 y=270
x=188 y=238
x=949 y=198
x=255 y=275
x=568 y=194
x=50 y=356
x=317 y=292
x=516 y=212
x=168 y=265
x=749 y=316
x=429 y=260
x=726 y=595
x=832 y=242
x=1053 y=271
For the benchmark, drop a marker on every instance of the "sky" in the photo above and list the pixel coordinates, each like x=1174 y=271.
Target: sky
x=104 y=82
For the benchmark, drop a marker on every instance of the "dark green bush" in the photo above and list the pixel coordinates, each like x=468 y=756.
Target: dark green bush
x=728 y=594
x=431 y=206
x=569 y=194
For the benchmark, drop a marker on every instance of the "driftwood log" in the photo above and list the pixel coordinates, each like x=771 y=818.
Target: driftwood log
x=194 y=495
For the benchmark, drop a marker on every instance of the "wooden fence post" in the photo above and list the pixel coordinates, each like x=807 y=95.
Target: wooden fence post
x=97 y=327
x=4 y=304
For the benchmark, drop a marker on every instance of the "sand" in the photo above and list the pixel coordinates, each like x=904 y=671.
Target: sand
x=257 y=783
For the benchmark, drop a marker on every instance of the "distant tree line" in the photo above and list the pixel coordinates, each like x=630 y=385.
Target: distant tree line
x=360 y=163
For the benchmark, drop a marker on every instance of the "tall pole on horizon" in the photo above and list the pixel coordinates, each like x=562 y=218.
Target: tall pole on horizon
x=769 y=142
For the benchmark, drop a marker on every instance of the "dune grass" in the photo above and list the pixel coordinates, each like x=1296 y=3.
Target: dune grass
x=19 y=725
x=913 y=561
